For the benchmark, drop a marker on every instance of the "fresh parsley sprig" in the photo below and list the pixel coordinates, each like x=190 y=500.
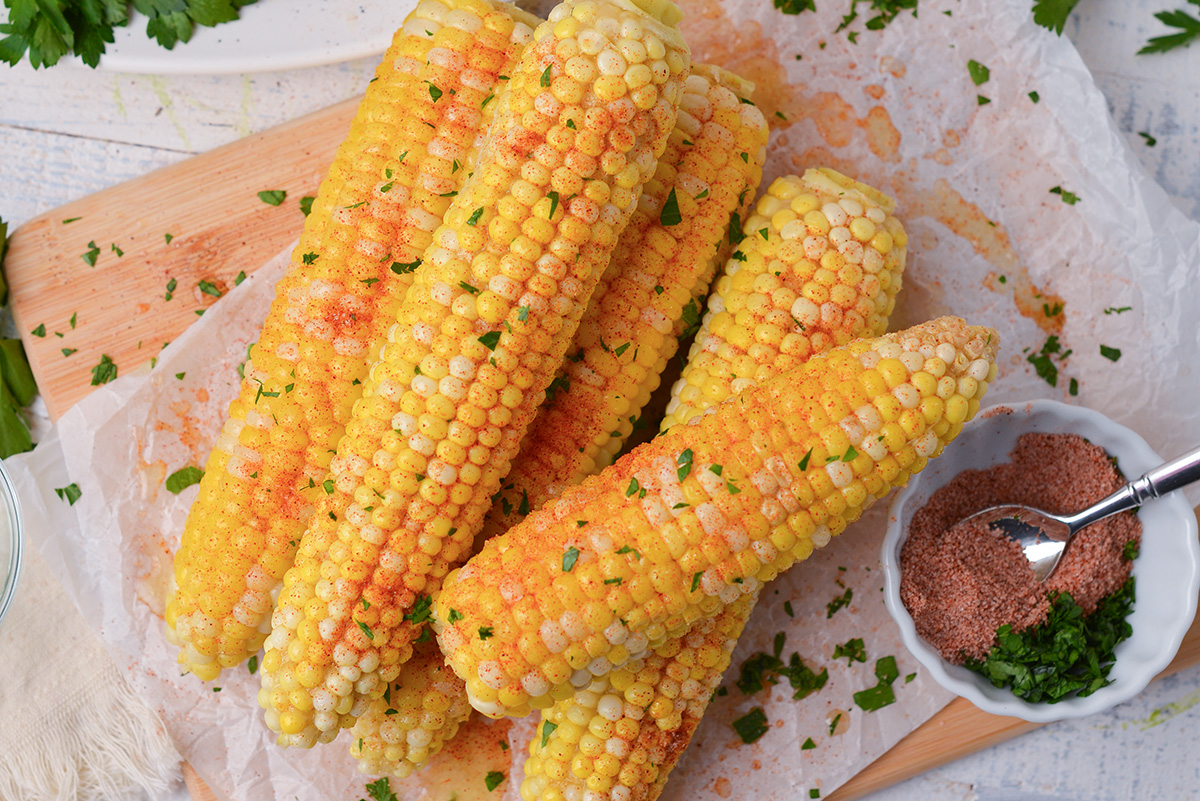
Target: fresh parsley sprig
x=47 y=31
x=1189 y=30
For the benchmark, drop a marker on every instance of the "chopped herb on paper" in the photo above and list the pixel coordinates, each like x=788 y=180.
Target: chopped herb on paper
x=979 y=72
x=752 y=725
x=272 y=197
x=92 y=254
x=1070 y=198
x=104 y=372
x=494 y=777
x=183 y=478
x=69 y=493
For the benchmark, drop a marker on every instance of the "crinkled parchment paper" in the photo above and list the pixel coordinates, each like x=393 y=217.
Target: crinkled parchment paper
x=989 y=242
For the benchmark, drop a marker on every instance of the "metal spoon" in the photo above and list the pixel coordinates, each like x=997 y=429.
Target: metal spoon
x=1044 y=536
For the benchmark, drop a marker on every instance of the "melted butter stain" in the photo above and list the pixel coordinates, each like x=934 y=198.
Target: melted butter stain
x=458 y=770
x=874 y=91
x=722 y=787
x=893 y=66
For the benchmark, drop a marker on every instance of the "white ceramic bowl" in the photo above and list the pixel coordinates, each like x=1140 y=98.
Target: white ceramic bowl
x=1166 y=571
x=10 y=542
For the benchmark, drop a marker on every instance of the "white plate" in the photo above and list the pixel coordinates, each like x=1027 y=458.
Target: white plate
x=268 y=36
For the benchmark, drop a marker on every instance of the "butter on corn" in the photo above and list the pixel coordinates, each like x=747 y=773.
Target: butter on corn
x=409 y=149
x=704 y=514
x=486 y=323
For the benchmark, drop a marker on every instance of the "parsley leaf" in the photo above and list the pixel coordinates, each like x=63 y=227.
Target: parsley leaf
x=752 y=725
x=1052 y=14
x=69 y=493
x=183 y=478
x=670 y=214
x=494 y=777
x=1189 y=29
x=104 y=372
x=272 y=197
x=979 y=72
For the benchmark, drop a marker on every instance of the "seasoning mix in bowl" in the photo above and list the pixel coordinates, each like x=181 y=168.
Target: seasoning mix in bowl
x=968 y=604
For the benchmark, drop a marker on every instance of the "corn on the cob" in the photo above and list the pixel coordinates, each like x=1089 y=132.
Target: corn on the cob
x=417 y=715
x=704 y=514
x=483 y=328
x=820 y=264
x=619 y=737
x=373 y=215
x=661 y=264
x=665 y=260
x=766 y=283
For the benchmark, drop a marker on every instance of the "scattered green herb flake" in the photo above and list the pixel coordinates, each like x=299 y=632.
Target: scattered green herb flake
x=210 y=289
x=435 y=93
x=403 y=268
x=624 y=549
x=1150 y=140
x=752 y=725
x=553 y=203
x=699 y=574
x=814 y=793
x=306 y=205
x=853 y=650
x=547 y=729
x=272 y=197
x=490 y=340
x=422 y=610
x=494 y=777
x=70 y=220
x=1112 y=354
x=850 y=454
x=69 y=493
x=979 y=72
x=670 y=214
x=545 y=79
x=454 y=616
x=683 y=464
x=380 y=789
x=570 y=557
x=764 y=233
x=909 y=677
x=808 y=745
x=1035 y=97
x=485 y=632
x=105 y=371
x=981 y=100
x=732 y=488
x=252 y=664
x=473 y=220
x=734 y=232
x=91 y=255
x=833 y=723
x=117 y=250
x=787 y=608
x=180 y=375
x=523 y=506
x=1070 y=198
x=839 y=602
x=1130 y=551
x=633 y=487
x=1118 y=310
x=329 y=486
x=40 y=331
x=803 y=465
x=1042 y=364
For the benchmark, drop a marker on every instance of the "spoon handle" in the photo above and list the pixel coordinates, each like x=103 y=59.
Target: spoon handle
x=1178 y=472
x=1154 y=483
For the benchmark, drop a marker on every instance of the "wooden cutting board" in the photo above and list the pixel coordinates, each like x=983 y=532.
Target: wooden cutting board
x=218 y=227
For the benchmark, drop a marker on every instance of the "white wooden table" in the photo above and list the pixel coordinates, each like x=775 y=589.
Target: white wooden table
x=70 y=131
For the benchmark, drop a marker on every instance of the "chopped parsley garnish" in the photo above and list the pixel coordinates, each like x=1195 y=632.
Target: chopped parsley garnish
x=454 y=616
x=252 y=664
x=670 y=214
x=40 y=331
x=104 y=372
x=553 y=203
x=545 y=79
x=1111 y=354
x=808 y=745
x=69 y=493
x=434 y=92
x=850 y=454
x=1052 y=14
x=474 y=290
x=691 y=320
x=1130 y=551
x=1118 y=310
x=881 y=694
x=490 y=340
x=92 y=254
x=306 y=205
x=838 y=603
x=473 y=220
x=624 y=549
x=272 y=197
x=494 y=777
x=70 y=220
x=617 y=580
x=1073 y=388
x=239 y=278
x=1035 y=97
x=684 y=464
x=979 y=72
x=980 y=100
x=117 y=250
x=210 y=289
x=1150 y=140
x=366 y=629
x=69 y=351
x=1046 y=369
x=703 y=194
x=696 y=580
x=329 y=486
x=764 y=233
x=547 y=729
x=401 y=268
x=485 y=632
x=734 y=233
x=633 y=487
x=380 y=789
x=561 y=383
x=487 y=100
x=183 y=478
x=1070 y=198
x=570 y=557
x=853 y=650
x=1067 y=654
x=752 y=725
x=762 y=669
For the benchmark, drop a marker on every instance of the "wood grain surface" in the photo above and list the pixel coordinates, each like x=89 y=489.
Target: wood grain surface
x=210 y=206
